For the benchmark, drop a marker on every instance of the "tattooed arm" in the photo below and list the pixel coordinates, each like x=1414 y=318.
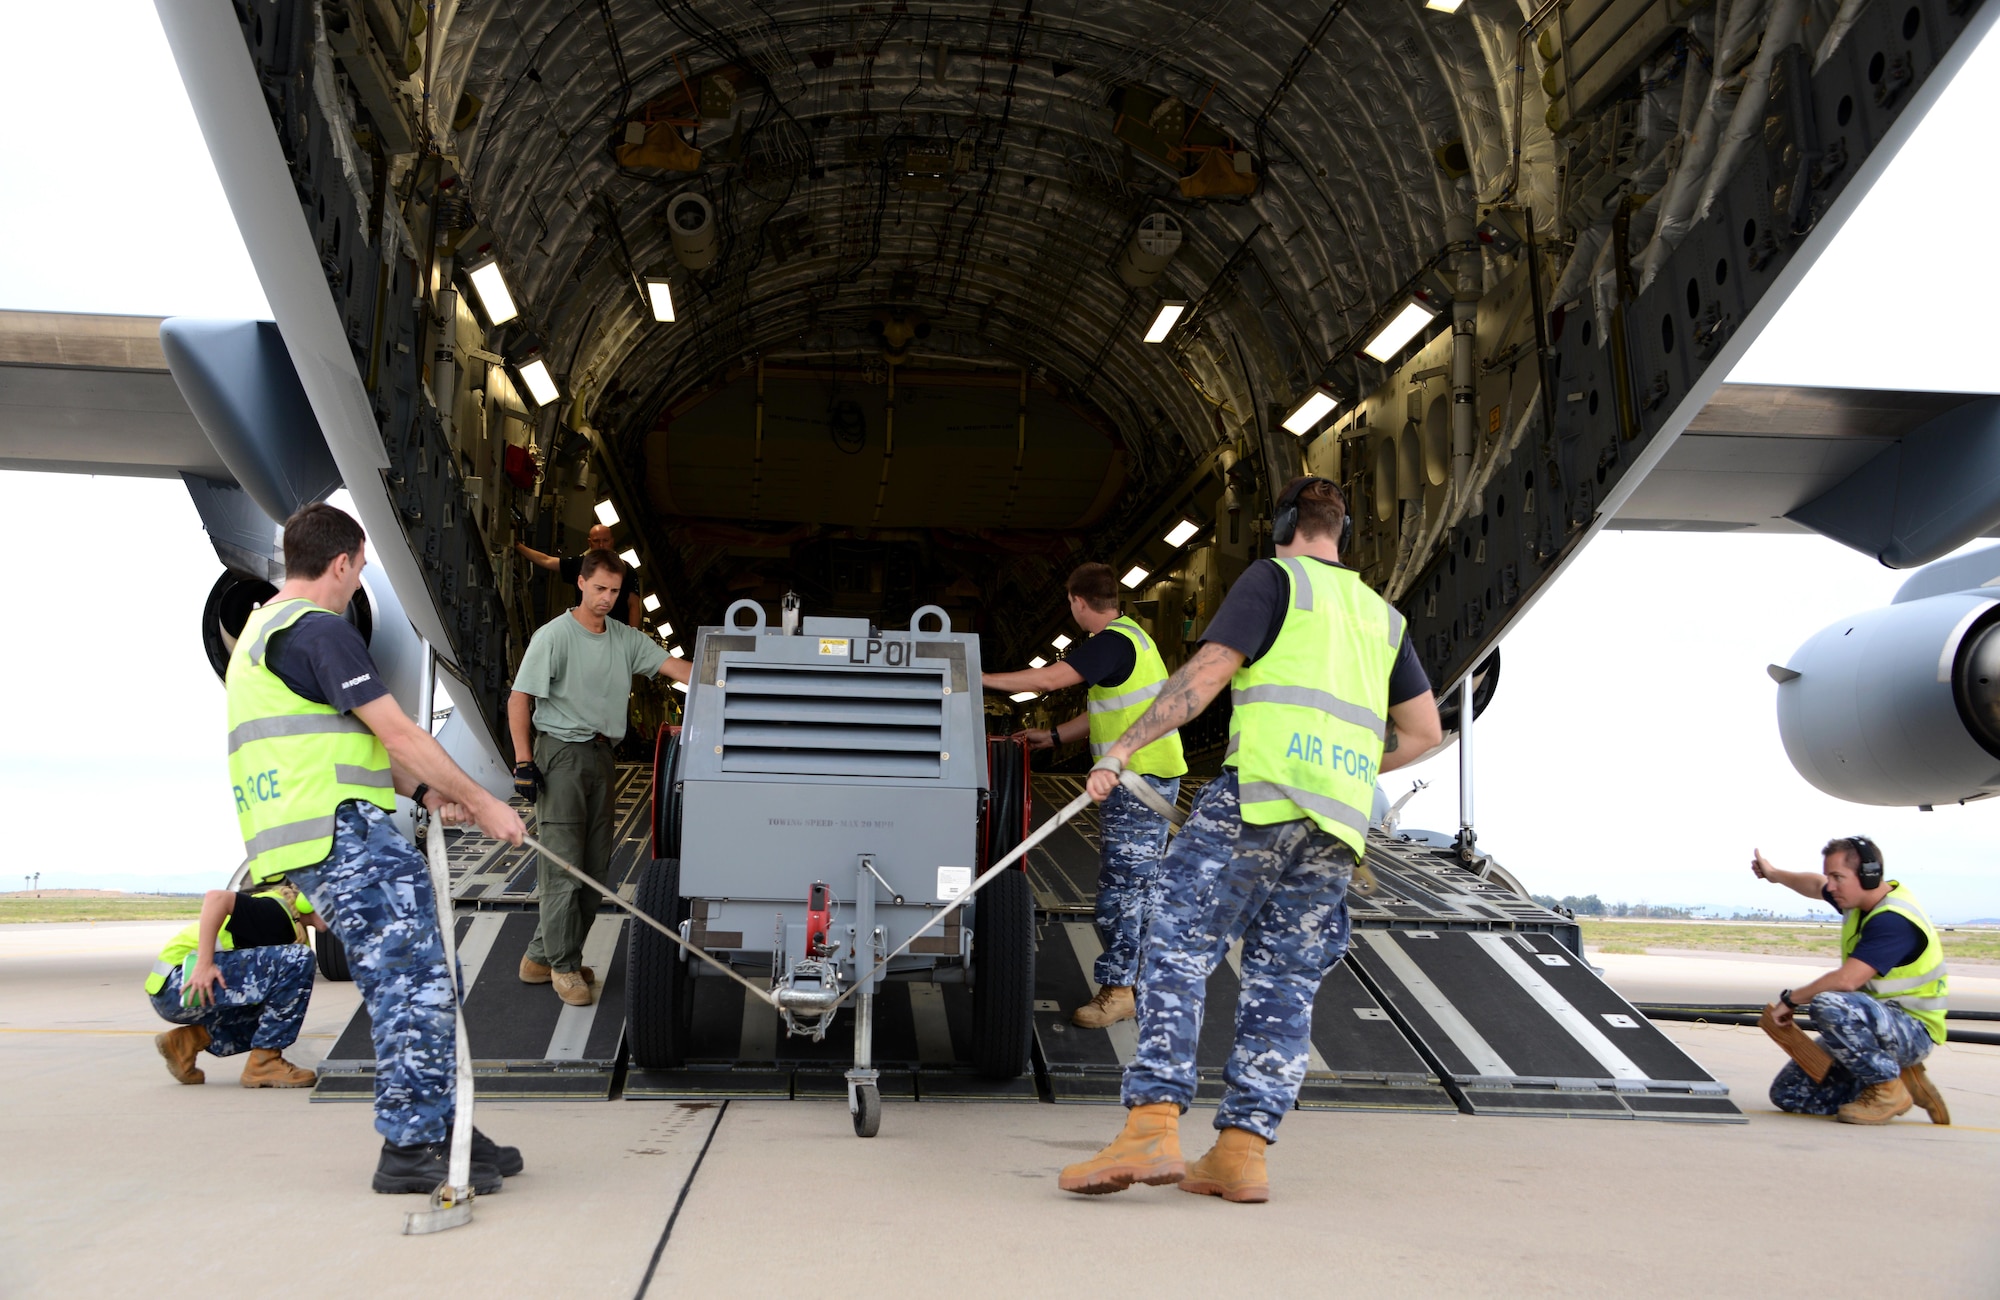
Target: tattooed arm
x=1414 y=731
x=1180 y=701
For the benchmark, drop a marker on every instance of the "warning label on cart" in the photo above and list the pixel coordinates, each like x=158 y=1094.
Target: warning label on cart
x=953 y=881
x=833 y=645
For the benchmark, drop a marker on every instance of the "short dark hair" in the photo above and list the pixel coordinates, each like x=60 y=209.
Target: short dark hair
x=1095 y=585
x=594 y=560
x=1322 y=508
x=314 y=535
x=1846 y=845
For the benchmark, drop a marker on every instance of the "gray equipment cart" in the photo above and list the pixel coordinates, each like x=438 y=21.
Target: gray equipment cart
x=825 y=800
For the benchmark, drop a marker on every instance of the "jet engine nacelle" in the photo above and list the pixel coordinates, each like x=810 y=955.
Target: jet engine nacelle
x=1899 y=707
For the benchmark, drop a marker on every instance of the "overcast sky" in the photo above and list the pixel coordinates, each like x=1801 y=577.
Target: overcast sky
x=1632 y=751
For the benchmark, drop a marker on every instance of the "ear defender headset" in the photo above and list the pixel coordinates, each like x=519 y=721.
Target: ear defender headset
x=1285 y=521
x=1868 y=870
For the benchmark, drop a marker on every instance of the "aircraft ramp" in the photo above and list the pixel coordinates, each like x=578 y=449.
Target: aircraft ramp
x=1457 y=996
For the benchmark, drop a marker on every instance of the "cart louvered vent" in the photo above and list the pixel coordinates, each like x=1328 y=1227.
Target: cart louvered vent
x=798 y=720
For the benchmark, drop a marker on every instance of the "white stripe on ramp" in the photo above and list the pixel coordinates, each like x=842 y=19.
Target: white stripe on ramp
x=478 y=942
x=1124 y=1035
x=573 y=1025
x=758 y=1038
x=1448 y=1017
x=1587 y=1035
x=933 y=1029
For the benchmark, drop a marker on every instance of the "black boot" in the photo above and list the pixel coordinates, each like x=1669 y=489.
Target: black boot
x=485 y=1151
x=424 y=1167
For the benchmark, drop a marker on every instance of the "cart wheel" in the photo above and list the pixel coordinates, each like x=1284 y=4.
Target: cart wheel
x=659 y=990
x=1003 y=976
x=867 y=1110
x=331 y=956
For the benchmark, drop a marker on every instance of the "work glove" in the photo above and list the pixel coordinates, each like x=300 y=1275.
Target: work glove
x=528 y=780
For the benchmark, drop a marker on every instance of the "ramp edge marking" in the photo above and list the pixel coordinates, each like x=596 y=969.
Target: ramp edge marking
x=1587 y=1035
x=572 y=1032
x=1475 y=1049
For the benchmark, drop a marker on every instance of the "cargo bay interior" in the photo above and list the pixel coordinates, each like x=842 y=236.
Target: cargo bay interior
x=892 y=305
x=962 y=295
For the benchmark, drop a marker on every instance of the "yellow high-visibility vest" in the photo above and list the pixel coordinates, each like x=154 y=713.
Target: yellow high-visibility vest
x=1307 y=720
x=1917 y=987
x=1113 y=710
x=292 y=762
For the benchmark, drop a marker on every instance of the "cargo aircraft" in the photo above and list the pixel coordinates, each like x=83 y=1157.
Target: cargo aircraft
x=888 y=306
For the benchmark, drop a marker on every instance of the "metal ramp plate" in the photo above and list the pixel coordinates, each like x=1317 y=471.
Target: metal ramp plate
x=1518 y=1025
x=923 y=1035
x=1360 y=1059
x=526 y=1044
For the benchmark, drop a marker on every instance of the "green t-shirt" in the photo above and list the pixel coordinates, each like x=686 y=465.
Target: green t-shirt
x=582 y=680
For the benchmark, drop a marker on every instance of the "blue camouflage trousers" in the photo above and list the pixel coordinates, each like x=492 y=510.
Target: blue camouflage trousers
x=262 y=1004
x=1281 y=889
x=374 y=889
x=1132 y=837
x=1869 y=1041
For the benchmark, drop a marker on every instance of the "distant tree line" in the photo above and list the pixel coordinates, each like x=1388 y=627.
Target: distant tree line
x=1592 y=905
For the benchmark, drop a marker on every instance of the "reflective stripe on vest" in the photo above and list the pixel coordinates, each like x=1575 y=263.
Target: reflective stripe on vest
x=1113 y=710
x=1918 y=987
x=293 y=762
x=1308 y=718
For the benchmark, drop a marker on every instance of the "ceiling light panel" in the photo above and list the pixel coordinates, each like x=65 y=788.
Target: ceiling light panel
x=491 y=287
x=1164 y=321
x=1402 y=327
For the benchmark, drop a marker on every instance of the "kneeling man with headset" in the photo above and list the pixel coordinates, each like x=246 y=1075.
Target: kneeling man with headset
x=1879 y=1013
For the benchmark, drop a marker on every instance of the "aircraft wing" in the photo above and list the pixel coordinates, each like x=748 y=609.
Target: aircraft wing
x=92 y=395
x=1759 y=454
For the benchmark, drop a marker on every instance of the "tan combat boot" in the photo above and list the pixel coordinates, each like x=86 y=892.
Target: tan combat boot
x=1148 y=1151
x=268 y=1068
x=1112 y=1004
x=1233 y=1169
x=589 y=975
x=1878 y=1103
x=1925 y=1093
x=533 y=972
x=179 y=1047
x=571 y=987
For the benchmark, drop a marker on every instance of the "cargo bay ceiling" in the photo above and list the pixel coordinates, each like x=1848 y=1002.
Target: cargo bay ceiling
x=970 y=173
x=914 y=253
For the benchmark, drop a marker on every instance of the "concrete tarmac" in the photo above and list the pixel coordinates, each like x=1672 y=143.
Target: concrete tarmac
x=121 y=1182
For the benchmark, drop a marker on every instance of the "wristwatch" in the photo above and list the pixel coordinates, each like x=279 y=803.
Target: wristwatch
x=1785 y=996
x=417 y=795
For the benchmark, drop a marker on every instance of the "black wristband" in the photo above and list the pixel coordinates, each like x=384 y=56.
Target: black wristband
x=1785 y=996
x=417 y=795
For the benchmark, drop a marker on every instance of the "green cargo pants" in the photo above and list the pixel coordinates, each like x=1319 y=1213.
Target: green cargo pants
x=575 y=816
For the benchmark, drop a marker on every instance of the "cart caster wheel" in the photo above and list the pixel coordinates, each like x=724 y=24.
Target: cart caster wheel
x=867 y=1111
